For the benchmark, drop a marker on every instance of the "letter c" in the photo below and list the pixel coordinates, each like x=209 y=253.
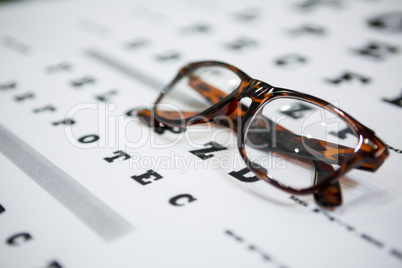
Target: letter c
x=189 y=197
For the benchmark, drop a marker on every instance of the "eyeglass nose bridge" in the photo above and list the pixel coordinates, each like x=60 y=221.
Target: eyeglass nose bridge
x=232 y=107
x=258 y=91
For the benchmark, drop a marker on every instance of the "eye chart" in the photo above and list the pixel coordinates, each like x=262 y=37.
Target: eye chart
x=84 y=183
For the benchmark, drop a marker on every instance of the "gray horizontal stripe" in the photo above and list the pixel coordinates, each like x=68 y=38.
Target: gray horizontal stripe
x=87 y=207
x=125 y=69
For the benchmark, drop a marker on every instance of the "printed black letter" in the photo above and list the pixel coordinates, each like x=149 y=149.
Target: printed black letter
x=188 y=197
x=120 y=154
x=18 y=239
x=203 y=153
x=147 y=178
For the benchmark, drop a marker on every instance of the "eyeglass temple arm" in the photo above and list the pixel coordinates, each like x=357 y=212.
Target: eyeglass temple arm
x=329 y=150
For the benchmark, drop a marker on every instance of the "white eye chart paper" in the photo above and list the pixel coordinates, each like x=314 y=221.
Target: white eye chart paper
x=85 y=183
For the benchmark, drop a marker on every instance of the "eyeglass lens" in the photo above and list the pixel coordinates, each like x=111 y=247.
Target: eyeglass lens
x=293 y=141
x=197 y=91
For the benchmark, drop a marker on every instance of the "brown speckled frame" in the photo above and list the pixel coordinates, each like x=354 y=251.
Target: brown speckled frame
x=369 y=154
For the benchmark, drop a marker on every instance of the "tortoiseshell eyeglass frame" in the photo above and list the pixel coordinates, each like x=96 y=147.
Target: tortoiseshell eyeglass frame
x=369 y=153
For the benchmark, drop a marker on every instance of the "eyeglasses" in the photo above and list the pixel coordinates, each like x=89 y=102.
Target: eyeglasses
x=316 y=142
